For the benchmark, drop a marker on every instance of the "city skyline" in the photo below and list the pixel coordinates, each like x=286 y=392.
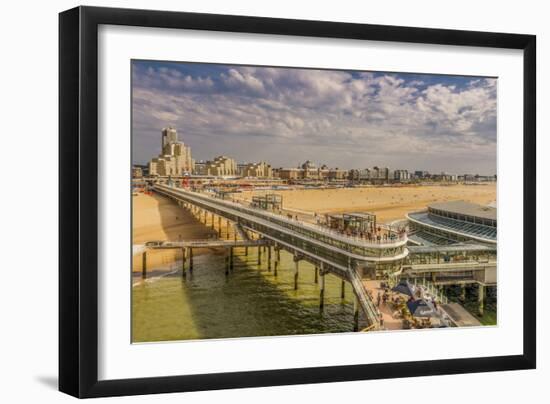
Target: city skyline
x=345 y=119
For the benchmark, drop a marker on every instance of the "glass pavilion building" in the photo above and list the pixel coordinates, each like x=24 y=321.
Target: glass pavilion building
x=453 y=222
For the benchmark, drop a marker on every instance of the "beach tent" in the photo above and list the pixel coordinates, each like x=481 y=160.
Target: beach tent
x=421 y=308
x=405 y=287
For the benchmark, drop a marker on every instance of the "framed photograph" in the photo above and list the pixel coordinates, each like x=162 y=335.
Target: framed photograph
x=251 y=201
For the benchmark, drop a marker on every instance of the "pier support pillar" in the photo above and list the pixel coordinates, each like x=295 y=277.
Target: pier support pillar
x=463 y=293
x=144 y=265
x=212 y=224
x=183 y=256
x=226 y=262
x=296 y=267
x=219 y=226
x=268 y=258
x=316 y=274
x=480 y=298
x=277 y=260
x=246 y=251
x=190 y=259
x=355 y=313
x=322 y=290
x=259 y=255
x=343 y=289
x=231 y=258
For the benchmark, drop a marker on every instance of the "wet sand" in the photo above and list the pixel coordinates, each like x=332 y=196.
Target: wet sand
x=158 y=218
x=388 y=203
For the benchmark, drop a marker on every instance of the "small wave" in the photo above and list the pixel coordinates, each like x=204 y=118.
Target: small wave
x=154 y=278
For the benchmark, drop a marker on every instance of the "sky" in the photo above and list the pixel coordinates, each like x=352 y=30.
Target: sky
x=344 y=119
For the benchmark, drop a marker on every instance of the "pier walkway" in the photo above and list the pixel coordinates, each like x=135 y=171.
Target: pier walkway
x=207 y=243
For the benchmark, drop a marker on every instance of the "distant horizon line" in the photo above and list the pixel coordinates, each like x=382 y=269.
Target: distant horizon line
x=348 y=169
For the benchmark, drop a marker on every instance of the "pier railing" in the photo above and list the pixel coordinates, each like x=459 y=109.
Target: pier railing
x=396 y=240
x=370 y=310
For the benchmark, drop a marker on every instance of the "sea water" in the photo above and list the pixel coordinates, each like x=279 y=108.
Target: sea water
x=250 y=301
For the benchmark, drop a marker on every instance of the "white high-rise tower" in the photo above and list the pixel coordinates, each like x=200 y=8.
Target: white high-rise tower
x=175 y=157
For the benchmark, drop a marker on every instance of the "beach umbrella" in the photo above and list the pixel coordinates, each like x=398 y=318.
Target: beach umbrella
x=405 y=287
x=421 y=308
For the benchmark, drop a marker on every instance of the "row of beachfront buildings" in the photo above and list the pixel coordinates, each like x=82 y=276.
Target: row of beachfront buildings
x=176 y=160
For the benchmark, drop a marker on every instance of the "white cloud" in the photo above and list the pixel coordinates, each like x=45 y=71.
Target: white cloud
x=378 y=116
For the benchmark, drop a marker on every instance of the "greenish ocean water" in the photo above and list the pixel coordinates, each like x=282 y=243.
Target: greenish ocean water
x=248 y=302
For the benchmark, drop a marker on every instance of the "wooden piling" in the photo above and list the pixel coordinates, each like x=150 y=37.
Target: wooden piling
x=277 y=260
x=183 y=259
x=355 y=313
x=322 y=290
x=231 y=258
x=296 y=262
x=190 y=259
x=144 y=265
x=226 y=261
x=259 y=255
x=343 y=290
x=480 y=298
x=316 y=274
x=268 y=258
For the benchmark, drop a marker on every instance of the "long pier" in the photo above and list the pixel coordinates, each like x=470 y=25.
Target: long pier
x=347 y=257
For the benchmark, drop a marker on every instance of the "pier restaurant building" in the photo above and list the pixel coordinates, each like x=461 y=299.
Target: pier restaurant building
x=453 y=222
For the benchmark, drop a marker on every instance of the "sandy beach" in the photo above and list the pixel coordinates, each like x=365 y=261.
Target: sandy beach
x=388 y=203
x=158 y=218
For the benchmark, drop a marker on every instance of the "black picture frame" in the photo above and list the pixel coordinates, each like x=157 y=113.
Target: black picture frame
x=78 y=200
